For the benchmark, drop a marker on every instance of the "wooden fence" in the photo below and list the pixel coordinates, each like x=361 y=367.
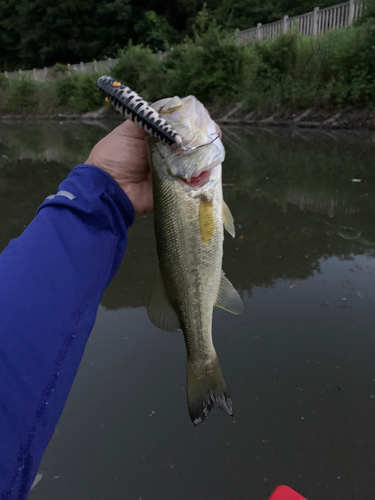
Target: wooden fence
x=45 y=74
x=309 y=24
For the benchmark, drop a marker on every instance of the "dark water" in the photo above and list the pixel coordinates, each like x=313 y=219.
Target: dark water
x=299 y=360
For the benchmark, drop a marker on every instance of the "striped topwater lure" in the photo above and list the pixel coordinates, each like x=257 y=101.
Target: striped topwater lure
x=132 y=106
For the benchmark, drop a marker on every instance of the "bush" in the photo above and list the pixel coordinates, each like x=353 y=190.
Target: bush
x=79 y=92
x=210 y=67
x=89 y=97
x=67 y=88
x=334 y=69
x=344 y=60
x=58 y=71
x=142 y=71
x=22 y=96
x=4 y=82
x=60 y=68
x=368 y=13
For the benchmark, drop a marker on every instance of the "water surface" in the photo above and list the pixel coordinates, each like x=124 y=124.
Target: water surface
x=299 y=360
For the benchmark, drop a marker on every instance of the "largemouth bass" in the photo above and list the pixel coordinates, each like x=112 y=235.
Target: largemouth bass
x=189 y=214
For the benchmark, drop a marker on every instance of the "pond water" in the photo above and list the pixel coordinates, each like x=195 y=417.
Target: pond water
x=299 y=360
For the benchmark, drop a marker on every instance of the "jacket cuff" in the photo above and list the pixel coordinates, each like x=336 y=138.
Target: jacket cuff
x=84 y=186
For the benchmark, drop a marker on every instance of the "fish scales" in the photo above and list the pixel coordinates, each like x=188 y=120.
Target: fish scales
x=192 y=268
x=189 y=213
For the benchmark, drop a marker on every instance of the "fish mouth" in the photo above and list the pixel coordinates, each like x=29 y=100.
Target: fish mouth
x=204 y=175
x=199 y=180
x=210 y=139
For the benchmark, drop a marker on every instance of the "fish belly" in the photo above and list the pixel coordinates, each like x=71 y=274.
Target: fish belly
x=190 y=260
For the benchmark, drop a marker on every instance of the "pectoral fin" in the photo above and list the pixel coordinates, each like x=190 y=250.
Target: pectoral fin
x=160 y=311
x=228 y=297
x=228 y=220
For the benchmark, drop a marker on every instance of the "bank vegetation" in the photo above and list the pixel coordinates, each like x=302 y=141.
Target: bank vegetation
x=335 y=70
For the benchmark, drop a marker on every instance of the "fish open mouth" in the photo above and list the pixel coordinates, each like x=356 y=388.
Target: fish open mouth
x=199 y=180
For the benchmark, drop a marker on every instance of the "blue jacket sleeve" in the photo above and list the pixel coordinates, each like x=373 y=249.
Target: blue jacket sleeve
x=51 y=281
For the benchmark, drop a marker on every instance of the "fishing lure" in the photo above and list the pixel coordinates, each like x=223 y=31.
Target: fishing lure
x=132 y=106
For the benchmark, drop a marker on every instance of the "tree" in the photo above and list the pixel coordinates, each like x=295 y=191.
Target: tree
x=9 y=36
x=68 y=31
x=155 y=31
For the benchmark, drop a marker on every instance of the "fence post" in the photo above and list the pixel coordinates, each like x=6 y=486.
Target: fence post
x=69 y=69
x=259 y=31
x=34 y=75
x=45 y=73
x=81 y=67
x=351 y=12
x=6 y=74
x=285 y=24
x=95 y=66
x=315 y=20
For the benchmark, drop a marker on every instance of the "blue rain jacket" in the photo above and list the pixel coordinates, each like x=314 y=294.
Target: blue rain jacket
x=51 y=281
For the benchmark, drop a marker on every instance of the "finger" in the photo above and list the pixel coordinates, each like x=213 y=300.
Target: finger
x=130 y=129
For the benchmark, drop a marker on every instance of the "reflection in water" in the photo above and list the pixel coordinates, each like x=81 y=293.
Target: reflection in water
x=34 y=159
x=299 y=360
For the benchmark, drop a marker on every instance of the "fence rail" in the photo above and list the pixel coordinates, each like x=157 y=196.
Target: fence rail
x=45 y=74
x=309 y=24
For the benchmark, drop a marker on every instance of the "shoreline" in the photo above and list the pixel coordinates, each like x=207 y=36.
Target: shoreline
x=233 y=115
x=308 y=118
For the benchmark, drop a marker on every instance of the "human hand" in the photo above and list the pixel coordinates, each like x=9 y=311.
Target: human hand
x=123 y=155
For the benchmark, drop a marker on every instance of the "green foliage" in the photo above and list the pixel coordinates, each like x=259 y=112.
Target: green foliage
x=243 y=14
x=334 y=69
x=22 y=96
x=368 y=13
x=4 y=82
x=141 y=71
x=203 y=22
x=60 y=68
x=66 y=88
x=28 y=97
x=9 y=37
x=155 y=32
x=210 y=67
x=79 y=92
x=37 y=33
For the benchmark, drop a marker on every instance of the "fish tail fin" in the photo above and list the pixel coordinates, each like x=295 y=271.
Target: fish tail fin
x=206 y=388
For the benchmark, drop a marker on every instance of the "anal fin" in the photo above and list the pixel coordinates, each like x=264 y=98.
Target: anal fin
x=228 y=298
x=228 y=220
x=160 y=311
